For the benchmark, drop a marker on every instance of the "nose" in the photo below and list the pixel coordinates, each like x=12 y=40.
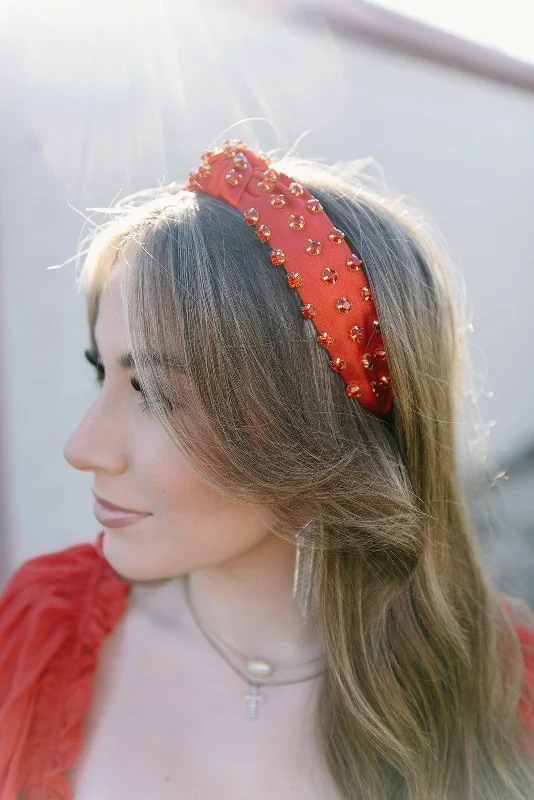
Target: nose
x=97 y=444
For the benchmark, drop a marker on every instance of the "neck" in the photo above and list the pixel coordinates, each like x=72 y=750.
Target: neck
x=245 y=602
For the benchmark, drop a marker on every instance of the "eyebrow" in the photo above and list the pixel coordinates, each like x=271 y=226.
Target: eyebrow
x=125 y=361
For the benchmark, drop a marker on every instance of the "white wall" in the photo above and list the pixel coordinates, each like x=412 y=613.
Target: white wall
x=87 y=112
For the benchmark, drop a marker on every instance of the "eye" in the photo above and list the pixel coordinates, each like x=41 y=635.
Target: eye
x=93 y=359
x=135 y=383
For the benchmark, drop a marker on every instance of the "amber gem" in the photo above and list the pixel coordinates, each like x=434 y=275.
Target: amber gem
x=384 y=382
x=263 y=233
x=204 y=170
x=251 y=216
x=313 y=205
x=271 y=175
x=354 y=263
x=313 y=247
x=308 y=311
x=277 y=200
x=344 y=305
x=337 y=364
x=353 y=391
x=356 y=333
x=296 y=189
x=329 y=275
x=380 y=354
x=295 y=222
x=229 y=150
x=233 y=177
x=336 y=236
x=367 y=361
x=266 y=187
x=277 y=257
x=366 y=293
x=241 y=161
x=325 y=339
x=294 y=280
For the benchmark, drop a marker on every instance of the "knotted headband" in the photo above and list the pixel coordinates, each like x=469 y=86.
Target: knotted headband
x=328 y=276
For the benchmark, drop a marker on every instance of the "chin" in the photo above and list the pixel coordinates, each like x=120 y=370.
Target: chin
x=130 y=559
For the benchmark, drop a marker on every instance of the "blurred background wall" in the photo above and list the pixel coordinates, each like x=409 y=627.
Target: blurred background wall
x=100 y=101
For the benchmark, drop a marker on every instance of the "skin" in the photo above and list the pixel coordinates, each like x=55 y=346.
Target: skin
x=240 y=572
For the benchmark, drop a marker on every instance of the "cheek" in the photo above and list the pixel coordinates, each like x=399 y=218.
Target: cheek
x=168 y=483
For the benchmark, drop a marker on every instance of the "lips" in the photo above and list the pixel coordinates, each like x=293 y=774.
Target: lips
x=112 y=516
x=115 y=507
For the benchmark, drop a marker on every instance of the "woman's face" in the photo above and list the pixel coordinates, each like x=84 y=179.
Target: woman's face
x=135 y=465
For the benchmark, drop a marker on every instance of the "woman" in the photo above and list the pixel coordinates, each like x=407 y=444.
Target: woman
x=286 y=598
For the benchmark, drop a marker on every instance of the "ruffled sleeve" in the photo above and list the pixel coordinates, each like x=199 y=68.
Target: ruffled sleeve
x=54 y=613
x=526 y=703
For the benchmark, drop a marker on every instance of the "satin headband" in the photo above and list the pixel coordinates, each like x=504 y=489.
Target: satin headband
x=329 y=277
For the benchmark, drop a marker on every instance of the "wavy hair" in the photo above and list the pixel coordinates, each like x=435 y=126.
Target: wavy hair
x=423 y=666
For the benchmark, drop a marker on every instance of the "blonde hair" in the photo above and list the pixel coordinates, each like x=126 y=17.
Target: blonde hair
x=423 y=666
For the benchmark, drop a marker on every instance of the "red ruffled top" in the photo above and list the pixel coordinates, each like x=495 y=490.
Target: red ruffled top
x=54 y=613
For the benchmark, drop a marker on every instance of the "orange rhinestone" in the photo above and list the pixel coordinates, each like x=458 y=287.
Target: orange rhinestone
x=356 y=333
x=343 y=305
x=263 y=233
x=264 y=157
x=380 y=354
x=251 y=216
x=384 y=382
x=294 y=279
x=314 y=206
x=367 y=361
x=233 y=177
x=271 y=175
x=277 y=200
x=308 y=311
x=229 y=150
x=329 y=275
x=337 y=364
x=336 y=236
x=313 y=247
x=374 y=387
x=204 y=170
x=353 y=391
x=354 y=263
x=325 y=339
x=295 y=222
x=296 y=189
x=206 y=156
x=241 y=161
x=376 y=326
x=277 y=257
x=366 y=293
x=263 y=186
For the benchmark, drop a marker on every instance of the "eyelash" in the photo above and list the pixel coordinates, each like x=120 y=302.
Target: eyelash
x=100 y=375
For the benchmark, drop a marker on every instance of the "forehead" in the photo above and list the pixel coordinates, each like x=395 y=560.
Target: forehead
x=110 y=317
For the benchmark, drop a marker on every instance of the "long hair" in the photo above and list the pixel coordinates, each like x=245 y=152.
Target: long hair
x=423 y=667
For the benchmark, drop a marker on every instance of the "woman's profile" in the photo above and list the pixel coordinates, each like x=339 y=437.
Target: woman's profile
x=286 y=596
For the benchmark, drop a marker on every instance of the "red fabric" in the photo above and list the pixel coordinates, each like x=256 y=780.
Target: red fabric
x=54 y=613
x=246 y=194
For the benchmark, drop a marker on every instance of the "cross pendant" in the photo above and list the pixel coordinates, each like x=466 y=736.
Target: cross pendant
x=253 y=698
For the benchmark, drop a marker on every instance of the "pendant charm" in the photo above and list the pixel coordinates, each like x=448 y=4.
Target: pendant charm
x=253 y=698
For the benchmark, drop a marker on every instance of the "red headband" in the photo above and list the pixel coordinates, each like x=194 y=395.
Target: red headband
x=328 y=276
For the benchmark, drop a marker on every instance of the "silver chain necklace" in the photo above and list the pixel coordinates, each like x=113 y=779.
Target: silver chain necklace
x=255 y=668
